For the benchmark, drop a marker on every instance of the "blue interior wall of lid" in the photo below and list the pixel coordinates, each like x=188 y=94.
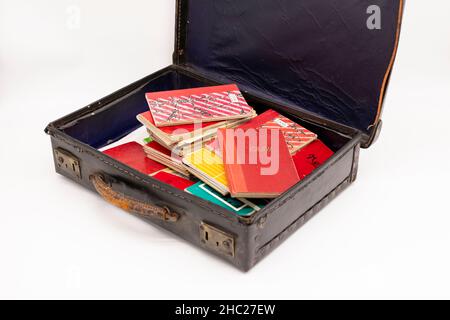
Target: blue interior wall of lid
x=118 y=118
x=317 y=55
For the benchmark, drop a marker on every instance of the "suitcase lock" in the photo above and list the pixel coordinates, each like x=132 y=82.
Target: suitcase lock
x=217 y=240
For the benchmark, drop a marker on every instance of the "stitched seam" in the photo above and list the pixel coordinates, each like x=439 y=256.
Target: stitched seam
x=179 y=30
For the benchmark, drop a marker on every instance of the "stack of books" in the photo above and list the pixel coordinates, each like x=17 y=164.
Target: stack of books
x=180 y=118
x=209 y=142
x=159 y=153
x=208 y=167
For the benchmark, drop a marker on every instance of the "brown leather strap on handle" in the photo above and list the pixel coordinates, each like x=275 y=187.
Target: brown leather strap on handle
x=129 y=204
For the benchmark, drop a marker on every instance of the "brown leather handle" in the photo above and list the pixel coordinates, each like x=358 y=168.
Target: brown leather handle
x=129 y=204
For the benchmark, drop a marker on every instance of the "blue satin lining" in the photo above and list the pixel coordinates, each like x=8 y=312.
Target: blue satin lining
x=117 y=119
x=314 y=55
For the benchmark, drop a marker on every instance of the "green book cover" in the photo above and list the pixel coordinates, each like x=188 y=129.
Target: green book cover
x=148 y=140
x=205 y=192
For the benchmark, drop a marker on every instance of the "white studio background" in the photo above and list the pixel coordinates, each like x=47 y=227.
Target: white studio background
x=387 y=236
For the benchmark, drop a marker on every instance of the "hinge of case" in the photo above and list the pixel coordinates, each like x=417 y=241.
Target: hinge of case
x=217 y=240
x=68 y=163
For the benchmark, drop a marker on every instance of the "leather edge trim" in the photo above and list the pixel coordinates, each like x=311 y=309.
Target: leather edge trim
x=180 y=34
x=371 y=137
x=267 y=212
x=389 y=70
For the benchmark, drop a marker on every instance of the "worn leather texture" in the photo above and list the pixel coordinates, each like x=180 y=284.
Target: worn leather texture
x=127 y=203
x=74 y=134
x=310 y=60
x=315 y=55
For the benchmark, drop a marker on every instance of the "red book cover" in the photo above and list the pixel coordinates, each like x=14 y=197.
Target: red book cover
x=156 y=146
x=157 y=152
x=311 y=157
x=206 y=104
x=179 y=129
x=296 y=136
x=174 y=180
x=133 y=155
x=257 y=162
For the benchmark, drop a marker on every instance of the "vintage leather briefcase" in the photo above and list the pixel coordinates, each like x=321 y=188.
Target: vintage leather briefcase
x=324 y=63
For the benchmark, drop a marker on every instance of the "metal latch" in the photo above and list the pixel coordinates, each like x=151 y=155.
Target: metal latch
x=217 y=240
x=68 y=163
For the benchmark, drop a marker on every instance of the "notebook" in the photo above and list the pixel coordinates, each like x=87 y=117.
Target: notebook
x=173 y=179
x=237 y=206
x=311 y=157
x=158 y=153
x=206 y=104
x=258 y=163
x=174 y=134
x=133 y=155
x=208 y=167
x=295 y=135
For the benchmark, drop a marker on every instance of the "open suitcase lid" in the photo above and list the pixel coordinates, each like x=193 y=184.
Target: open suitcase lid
x=317 y=56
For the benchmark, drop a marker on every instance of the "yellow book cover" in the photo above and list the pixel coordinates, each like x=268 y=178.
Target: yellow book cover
x=208 y=163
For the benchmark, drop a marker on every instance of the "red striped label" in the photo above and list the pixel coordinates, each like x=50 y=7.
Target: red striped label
x=193 y=105
x=296 y=136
